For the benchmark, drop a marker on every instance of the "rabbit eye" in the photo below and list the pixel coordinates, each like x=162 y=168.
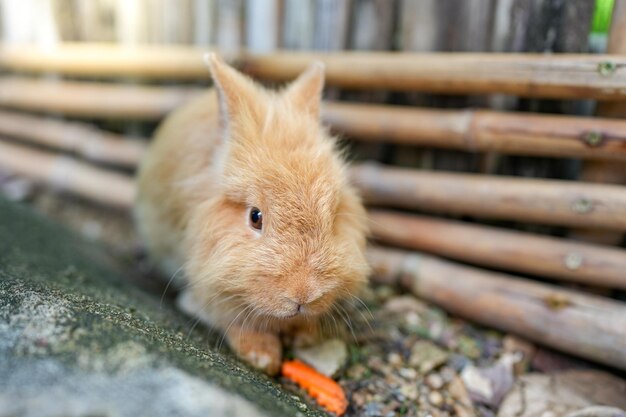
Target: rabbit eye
x=256 y=218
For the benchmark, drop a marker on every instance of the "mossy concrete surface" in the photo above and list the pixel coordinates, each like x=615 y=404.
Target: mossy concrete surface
x=78 y=338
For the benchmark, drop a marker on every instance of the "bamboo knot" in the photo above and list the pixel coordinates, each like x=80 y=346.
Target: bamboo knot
x=607 y=68
x=557 y=301
x=582 y=205
x=593 y=138
x=573 y=260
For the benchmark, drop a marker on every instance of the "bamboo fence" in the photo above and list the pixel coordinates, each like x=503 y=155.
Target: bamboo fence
x=600 y=77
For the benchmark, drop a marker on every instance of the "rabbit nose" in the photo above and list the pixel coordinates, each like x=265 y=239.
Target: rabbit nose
x=296 y=302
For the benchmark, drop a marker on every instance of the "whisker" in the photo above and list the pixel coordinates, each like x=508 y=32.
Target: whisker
x=346 y=320
x=169 y=282
x=363 y=304
x=230 y=325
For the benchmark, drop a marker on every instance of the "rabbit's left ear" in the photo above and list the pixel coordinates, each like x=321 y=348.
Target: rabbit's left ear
x=237 y=93
x=306 y=91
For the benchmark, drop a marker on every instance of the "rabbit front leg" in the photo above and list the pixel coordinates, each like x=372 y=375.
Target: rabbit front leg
x=306 y=334
x=262 y=350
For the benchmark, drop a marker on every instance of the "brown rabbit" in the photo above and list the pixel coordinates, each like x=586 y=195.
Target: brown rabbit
x=244 y=191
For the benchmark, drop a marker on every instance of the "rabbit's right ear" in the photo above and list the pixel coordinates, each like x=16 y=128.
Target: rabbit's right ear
x=237 y=93
x=306 y=91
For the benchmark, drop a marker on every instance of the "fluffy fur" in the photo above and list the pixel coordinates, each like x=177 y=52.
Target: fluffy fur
x=241 y=146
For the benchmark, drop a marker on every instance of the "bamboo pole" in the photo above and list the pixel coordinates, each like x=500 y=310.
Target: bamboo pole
x=108 y=60
x=526 y=75
x=510 y=250
x=82 y=139
x=66 y=174
x=600 y=77
x=482 y=130
x=584 y=325
x=514 y=133
x=99 y=100
x=528 y=200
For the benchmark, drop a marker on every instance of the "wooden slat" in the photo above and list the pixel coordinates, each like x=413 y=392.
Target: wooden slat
x=82 y=139
x=553 y=202
x=544 y=256
x=585 y=325
x=529 y=75
x=63 y=173
x=482 y=130
x=97 y=100
x=602 y=77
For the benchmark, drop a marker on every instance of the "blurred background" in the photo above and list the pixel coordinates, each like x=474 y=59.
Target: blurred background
x=261 y=26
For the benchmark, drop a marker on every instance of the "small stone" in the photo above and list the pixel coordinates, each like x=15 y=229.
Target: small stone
x=477 y=384
x=447 y=374
x=489 y=385
x=373 y=409
x=404 y=304
x=412 y=320
x=394 y=359
x=408 y=373
x=426 y=356
x=358 y=399
x=384 y=292
x=433 y=412
x=327 y=357
x=409 y=391
x=392 y=379
x=468 y=347
x=374 y=362
x=435 y=398
x=434 y=381
x=566 y=394
x=516 y=345
x=357 y=371
x=458 y=391
x=458 y=362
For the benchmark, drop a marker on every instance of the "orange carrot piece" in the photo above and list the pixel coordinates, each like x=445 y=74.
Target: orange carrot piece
x=326 y=391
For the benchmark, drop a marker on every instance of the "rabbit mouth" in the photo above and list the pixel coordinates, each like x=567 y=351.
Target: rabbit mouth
x=299 y=312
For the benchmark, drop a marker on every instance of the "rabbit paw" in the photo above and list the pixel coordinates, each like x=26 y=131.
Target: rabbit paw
x=261 y=350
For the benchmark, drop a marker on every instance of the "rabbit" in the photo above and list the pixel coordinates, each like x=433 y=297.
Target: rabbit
x=244 y=195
